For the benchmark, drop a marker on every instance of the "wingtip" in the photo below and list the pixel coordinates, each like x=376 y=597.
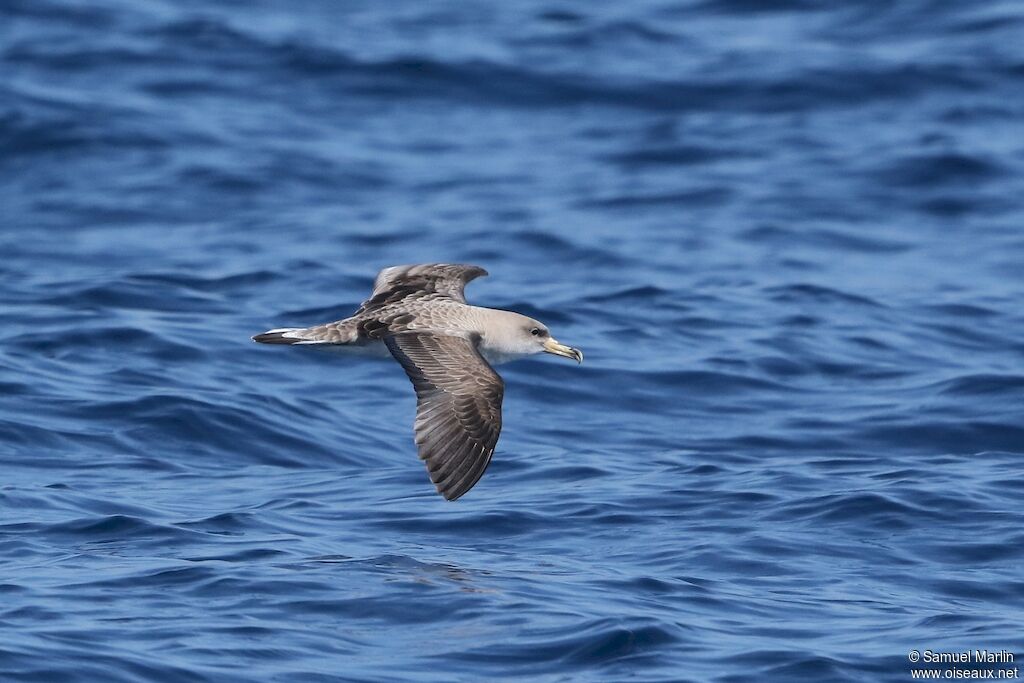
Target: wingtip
x=453 y=491
x=451 y=496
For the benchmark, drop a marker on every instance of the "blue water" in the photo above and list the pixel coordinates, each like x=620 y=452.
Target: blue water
x=788 y=235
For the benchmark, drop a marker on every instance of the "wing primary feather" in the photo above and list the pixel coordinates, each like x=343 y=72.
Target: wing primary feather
x=454 y=458
x=471 y=477
x=461 y=466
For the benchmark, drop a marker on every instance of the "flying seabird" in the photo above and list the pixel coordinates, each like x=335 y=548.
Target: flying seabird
x=419 y=314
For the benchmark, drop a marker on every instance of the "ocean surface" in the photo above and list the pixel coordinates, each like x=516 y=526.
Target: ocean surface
x=788 y=235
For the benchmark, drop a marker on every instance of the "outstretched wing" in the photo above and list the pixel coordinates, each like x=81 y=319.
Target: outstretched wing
x=433 y=280
x=458 y=408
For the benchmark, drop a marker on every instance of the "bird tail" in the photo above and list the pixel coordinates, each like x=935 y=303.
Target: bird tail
x=282 y=335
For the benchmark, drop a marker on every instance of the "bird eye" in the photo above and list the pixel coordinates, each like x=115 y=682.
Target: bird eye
x=535 y=332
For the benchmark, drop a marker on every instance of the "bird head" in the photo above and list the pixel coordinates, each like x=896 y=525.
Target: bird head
x=533 y=336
